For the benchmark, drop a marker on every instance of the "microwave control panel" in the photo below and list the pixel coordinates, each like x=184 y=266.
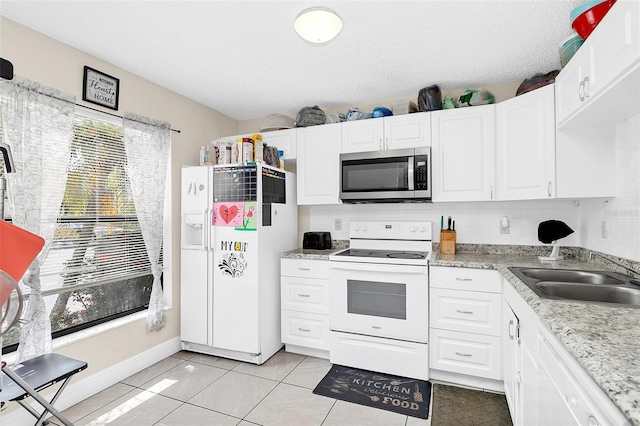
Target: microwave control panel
x=421 y=170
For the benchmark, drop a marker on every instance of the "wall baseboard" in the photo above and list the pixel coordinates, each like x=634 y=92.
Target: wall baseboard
x=80 y=390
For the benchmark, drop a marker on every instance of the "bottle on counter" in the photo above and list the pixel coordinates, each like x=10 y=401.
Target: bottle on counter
x=258 y=147
x=203 y=155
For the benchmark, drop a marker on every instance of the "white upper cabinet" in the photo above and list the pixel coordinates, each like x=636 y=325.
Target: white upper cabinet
x=526 y=158
x=362 y=135
x=463 y=154
x=407 y=130
x=318 y=157
x=284 y=140
x=392 y=132
x=600 y=83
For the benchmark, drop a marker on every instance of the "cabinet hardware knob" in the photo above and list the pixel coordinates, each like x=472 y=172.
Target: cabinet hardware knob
x=461 y=354
x=304 y=269
x=581 y=91
x=549 y=188
x=304 y=330
x=464 y=279
x=303 y=295
x=463 y=312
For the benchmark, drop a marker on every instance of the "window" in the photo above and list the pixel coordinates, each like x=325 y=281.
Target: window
x=98 y=267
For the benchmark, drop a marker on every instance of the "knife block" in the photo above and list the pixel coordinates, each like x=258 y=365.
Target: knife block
x=447 y=242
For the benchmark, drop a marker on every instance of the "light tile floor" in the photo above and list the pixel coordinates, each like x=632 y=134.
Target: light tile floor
x=189 y=389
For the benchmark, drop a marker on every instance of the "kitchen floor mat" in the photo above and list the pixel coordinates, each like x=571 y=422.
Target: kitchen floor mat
x=392 y=393
x=454 y=406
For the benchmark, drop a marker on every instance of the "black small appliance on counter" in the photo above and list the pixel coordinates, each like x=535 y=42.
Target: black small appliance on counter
x=316 y=240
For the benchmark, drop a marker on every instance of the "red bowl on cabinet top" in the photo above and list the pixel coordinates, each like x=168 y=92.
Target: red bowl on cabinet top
x=585 y=23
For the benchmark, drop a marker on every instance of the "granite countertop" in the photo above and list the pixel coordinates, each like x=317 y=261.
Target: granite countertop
x=336 y=246
x=604 y=339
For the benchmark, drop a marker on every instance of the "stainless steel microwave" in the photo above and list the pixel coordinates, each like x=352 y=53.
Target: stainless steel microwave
x=398 y=175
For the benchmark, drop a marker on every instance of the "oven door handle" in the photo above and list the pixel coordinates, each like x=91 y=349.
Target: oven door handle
x=379 y=267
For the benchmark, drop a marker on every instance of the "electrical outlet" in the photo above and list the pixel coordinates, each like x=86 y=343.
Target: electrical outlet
x=603 y=229
x=338 y=224
x=505 y=226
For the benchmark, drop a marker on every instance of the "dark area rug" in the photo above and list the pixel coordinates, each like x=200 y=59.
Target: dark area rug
x=453 y=406
x=392 y=393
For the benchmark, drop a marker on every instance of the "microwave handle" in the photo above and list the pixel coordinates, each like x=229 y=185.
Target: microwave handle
x=410 y=172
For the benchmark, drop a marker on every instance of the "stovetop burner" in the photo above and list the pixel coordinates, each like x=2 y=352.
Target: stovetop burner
x=407 y=255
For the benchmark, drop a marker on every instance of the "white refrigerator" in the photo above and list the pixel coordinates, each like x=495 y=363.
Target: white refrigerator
x=236 y=220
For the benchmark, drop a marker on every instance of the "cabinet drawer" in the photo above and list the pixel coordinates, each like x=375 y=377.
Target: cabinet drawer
x=465 y=353
x=304 y=294
x=487 y=280
x=303 y=329
x=465 y=311
x=305 y=268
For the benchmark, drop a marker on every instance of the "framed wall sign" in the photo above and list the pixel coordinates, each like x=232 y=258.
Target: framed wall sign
x=100 y=88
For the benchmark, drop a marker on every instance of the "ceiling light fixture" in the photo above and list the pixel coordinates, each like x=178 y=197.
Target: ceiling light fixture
x=318 y=25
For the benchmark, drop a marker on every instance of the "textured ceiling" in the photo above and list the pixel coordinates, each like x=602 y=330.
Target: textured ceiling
x=243 y=58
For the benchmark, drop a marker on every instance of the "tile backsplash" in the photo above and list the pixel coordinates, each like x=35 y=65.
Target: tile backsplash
x=479 y=222
x=621 y=215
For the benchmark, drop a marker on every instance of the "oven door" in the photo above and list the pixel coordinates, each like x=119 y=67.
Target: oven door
x=381 y=300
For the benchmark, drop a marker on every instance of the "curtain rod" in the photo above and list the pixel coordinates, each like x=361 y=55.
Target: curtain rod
x=115 y=115
x=99 y=110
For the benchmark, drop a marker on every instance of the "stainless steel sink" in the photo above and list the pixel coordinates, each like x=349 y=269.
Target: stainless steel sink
x=584 y=286
x=569 y=276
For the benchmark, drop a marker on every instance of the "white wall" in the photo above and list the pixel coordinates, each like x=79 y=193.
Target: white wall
x=622 y=213
x=43 y=59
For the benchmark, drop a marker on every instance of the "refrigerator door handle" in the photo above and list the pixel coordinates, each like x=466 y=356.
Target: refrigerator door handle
x=205 y=229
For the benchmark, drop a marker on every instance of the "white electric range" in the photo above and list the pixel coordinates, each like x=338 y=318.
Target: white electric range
x=379 y=298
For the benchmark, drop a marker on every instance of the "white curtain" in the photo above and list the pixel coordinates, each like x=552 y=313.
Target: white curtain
x=37 y=123
x=147 y=144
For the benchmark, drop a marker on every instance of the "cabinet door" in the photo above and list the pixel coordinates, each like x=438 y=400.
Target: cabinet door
x=526 y=154
x=463 y=154
x=528 y=378
x=552 y=407
x=284 y=140
x=569 y=89
x=318 y=152
x=407 y=131
x=614 y=45
x=362 y=135
x=510 y=360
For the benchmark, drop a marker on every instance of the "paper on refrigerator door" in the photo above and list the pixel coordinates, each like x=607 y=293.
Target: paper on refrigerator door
x=241 y=215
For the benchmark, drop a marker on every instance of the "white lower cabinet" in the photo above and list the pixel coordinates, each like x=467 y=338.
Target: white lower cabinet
x=465 y=346
x=466 y=353
x=519 y=360
x=544 y=384
x=304 y=303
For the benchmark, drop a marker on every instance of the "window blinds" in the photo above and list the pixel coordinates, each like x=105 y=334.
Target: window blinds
x=98 y=238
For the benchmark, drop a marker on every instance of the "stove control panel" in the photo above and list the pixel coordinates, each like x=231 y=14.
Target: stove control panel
x=395 y=230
